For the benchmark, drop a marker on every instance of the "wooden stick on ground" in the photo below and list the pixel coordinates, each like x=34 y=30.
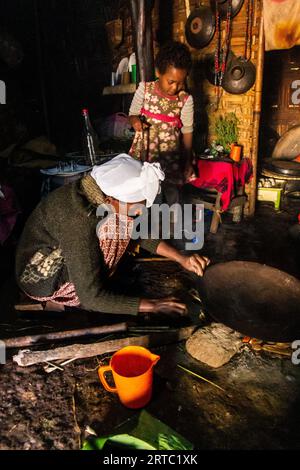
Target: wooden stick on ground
x=80 y=351
x=30 y=340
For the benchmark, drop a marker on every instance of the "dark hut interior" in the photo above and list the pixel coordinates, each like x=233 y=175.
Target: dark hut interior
x=221 y=338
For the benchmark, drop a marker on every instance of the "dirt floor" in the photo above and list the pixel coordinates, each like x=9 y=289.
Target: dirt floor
x=259 y=409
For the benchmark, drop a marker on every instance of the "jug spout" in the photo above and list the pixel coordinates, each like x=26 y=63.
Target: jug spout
x=154 y=358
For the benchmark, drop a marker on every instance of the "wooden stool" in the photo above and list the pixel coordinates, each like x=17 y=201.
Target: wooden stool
x=211 y=200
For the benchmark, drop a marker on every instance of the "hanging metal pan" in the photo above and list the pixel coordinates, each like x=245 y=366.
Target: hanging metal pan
x=254 y=299
x=209 y=65
x=200 y=27
x=223 y=6
x=239 y=76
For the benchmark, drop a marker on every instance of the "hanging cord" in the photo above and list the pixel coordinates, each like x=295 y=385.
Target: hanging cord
x=221 y=53
x=249 y=26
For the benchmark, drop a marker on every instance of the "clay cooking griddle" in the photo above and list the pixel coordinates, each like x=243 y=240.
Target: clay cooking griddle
x=254 y=299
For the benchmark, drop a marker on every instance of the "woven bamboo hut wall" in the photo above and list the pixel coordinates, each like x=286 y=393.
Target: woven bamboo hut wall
x=246 y=106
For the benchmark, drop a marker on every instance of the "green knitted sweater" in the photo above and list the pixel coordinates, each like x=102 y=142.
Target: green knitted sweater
x=63 y=229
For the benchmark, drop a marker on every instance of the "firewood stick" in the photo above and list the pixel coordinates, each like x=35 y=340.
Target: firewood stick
x=81 y=351
x=30 y=340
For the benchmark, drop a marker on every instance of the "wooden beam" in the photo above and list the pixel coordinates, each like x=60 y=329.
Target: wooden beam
x=141 y=12
x=30 y=340
x=80 y=351
x=257 y=110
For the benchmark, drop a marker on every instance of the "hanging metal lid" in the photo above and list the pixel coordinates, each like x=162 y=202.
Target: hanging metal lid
x=239 y=76
x=209 y=64
x=200 y=27
x=223 y=7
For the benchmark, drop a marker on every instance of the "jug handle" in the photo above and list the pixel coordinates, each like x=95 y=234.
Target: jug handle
x=101 y=372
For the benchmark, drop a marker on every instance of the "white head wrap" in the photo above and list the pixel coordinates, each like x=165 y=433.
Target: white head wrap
x=128 y=180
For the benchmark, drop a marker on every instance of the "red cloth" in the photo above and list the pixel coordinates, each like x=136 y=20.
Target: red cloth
x=224 y=177
x=65 y=295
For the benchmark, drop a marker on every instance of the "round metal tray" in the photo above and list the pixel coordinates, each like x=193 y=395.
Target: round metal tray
x=254 y=299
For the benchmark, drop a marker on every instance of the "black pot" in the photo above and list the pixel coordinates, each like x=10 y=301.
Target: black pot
x=209 y=63
x=284 y=167
x=239 y=77
x=200 y=27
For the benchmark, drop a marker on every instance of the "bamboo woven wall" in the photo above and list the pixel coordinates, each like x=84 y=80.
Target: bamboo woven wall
x=246 y=106
x=243 y=105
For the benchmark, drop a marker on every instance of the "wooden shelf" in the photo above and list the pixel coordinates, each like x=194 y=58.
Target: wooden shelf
x=119 y=89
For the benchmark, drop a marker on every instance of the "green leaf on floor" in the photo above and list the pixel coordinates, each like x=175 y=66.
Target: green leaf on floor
x=141 y=432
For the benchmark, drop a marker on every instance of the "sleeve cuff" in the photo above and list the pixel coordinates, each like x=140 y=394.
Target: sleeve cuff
x=150 y=245
x=187 y=130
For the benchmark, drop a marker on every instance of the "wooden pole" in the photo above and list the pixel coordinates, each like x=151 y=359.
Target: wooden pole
x=187 y=8
x=141 y=11
x=257 y=110
x=30 y=340
x=80 y=351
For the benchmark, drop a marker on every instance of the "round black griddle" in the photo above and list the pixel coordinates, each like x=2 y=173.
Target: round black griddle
x=239 y=76
x=254 y=299
x=200 y=27
x=284 y=167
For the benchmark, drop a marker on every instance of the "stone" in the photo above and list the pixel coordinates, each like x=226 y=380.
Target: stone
x=214 y=344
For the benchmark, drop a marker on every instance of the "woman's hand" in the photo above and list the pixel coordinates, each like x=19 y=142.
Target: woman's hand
x=195 y=263
x=136 y=123
x=167 y=306
x=188 y=173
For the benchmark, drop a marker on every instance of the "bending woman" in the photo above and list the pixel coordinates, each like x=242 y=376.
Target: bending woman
x=61 y=259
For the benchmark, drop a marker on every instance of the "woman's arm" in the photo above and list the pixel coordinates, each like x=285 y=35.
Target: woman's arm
x=187 y=119
x=187 y=141
x=194 y=263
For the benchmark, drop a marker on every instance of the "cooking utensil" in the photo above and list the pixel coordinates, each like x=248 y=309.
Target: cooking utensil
x=288 y=146
x=284 y=167
x=200 y=27
x=239 y=76
x=209 y=62
x=254 y=299
x=223 y=6
x=66 y=169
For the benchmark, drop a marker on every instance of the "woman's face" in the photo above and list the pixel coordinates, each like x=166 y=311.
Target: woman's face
x=132 y=209
x=172 y=81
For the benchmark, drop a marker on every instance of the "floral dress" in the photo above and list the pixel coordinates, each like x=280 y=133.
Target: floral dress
x=161 y=141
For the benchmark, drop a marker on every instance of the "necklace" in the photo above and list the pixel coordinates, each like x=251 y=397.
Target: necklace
x=221 y=53
x=249 y=25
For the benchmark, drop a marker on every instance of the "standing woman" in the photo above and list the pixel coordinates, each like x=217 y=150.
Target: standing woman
x=169 y=114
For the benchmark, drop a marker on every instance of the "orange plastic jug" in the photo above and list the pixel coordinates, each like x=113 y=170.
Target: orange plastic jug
x=132 y=370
